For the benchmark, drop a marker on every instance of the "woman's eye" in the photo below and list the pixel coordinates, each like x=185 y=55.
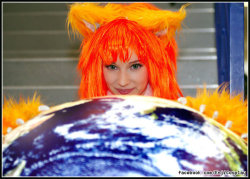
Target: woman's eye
x=136 y=66
x=111 y=67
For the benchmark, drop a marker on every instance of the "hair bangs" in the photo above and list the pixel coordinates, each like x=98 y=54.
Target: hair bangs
x=119 y=39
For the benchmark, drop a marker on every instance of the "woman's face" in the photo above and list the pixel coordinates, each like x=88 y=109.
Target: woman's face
x=129 y=78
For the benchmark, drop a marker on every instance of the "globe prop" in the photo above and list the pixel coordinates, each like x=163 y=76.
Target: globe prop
x=122 y=136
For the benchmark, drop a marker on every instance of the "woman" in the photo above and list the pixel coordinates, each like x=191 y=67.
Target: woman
x=133 y=52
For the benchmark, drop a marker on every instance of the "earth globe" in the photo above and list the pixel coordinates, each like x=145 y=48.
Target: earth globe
x=123 y=136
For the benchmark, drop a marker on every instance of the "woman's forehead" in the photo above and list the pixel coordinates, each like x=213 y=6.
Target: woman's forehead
x=125 y=56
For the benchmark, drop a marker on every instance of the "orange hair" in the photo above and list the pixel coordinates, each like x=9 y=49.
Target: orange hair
x=115 y=39
x=117 y=35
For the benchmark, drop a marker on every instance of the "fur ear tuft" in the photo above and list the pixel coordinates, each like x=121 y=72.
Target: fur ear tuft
x=161 y=33
x=91 y=26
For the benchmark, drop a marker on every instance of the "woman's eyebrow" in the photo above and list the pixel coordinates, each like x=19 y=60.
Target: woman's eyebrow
x=136 y=61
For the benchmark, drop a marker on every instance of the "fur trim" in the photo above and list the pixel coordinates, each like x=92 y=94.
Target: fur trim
x=16 y=113
x=230 y=111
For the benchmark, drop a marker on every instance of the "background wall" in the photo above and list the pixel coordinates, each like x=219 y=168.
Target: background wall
x=38 y=54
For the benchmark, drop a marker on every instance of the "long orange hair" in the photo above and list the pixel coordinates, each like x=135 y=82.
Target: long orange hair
x=116 y=37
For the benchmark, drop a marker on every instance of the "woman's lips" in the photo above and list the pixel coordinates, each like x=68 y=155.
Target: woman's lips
x=125 y=91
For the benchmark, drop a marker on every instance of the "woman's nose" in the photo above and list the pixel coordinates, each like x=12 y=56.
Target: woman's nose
x=123 y=78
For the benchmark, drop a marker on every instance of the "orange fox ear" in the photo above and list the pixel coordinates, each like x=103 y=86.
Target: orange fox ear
x=83 y=19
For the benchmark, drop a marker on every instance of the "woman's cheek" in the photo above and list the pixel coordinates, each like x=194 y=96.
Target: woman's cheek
x=109 y=76
x=142 y=76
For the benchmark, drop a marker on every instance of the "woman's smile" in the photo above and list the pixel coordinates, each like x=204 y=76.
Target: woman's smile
x=124 y=91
